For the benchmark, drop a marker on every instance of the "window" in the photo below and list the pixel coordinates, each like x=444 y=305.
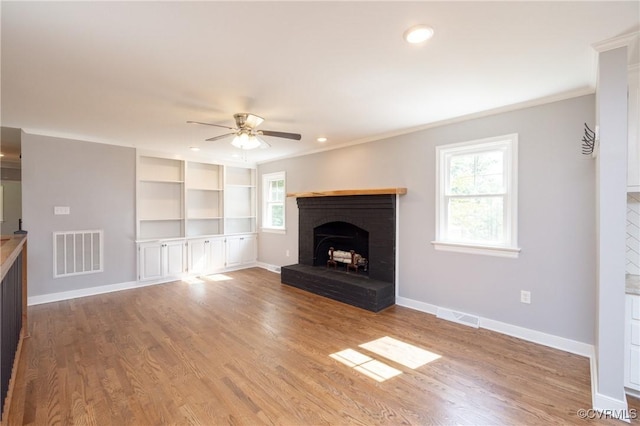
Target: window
x=273 y=197
x=476 y=196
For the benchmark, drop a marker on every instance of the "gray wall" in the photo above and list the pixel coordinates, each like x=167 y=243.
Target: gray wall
x=98 y=183
x=556 y=218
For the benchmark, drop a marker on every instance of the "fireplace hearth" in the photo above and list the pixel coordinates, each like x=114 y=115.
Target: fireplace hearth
x=365 y=224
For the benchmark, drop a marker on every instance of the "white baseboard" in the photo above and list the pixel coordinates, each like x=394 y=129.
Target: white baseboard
x=90 y=291
x=93 y=291
x=527 y=334
x=632 y=392
x=607 y=406
x=269 y=267
x=418 y=306
x=556 y=342
x=611 y=407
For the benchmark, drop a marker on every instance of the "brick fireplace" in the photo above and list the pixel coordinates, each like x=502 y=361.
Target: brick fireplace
x=357 y=220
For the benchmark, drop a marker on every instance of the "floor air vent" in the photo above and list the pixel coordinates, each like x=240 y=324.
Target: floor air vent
x=459 y=317
x=77 y=252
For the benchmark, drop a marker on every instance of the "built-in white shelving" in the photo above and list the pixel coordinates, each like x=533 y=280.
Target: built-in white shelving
x=240 y=204
x=204 y=199
x=160 y=208
x=193 y=218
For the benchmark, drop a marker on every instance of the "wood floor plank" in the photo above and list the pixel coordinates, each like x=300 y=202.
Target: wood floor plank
x=249 y=350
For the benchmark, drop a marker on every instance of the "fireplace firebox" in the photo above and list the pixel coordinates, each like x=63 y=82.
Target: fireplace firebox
x=365 y=224
x=341 y=237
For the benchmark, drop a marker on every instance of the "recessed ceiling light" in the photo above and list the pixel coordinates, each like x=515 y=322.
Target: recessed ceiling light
x=418 y=34
x=194 y=148
x=322 y=139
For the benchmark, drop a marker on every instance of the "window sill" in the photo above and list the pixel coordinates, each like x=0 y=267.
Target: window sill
x=274 y=230
x=477 y=249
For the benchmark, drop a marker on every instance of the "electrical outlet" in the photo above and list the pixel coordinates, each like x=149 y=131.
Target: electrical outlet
x=57 y=210
x=286 y=253
x=525 y=296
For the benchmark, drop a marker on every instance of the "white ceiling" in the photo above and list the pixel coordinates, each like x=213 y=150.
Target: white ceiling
x=133 y=73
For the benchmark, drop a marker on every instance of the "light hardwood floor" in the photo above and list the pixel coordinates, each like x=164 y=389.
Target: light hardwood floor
x=252 y=351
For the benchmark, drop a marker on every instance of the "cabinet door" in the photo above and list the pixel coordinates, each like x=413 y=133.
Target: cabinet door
x=234 y=251
x=216 y=254
x=632 y=343
x=248 y=248
x=150 y=261
x=197 y=255
x=634 y=367
x=174 y=257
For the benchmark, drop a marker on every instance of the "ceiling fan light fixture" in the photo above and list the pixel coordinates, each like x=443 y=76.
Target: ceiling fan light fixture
x=245 y=141
x=418 y=34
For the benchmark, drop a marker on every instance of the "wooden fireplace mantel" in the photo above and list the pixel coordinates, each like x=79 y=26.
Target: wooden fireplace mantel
x=341 y=192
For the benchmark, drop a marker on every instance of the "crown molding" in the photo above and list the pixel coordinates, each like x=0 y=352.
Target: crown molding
x=616 y=42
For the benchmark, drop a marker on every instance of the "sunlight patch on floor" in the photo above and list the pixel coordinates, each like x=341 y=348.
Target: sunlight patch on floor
x=193 y=280
x=216 y=277
x=398 y=351
x=366 y=365
x=377 y=370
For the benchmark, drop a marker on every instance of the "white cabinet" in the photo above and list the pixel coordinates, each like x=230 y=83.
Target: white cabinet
x=241 y=250
x=193 y=218
x=206 y=255
x=633 y=169
x=149 y=261
x=632 y=343
x=160 y=260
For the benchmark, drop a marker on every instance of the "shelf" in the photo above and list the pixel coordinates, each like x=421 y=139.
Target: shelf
x=160 y=169
x=347 y=192
x=160 y=181
x=205 y=218
x=150 y=229
x=178 y=199
x=160 y=199
x=240 y=225
x=238 y=176
x=198 y=227
x=204 y=176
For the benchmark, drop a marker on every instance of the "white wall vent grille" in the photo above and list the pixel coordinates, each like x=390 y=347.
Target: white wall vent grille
x=77 y=253
x=459 y=317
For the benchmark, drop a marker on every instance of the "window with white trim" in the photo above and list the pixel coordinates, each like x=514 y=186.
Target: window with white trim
x=477 y=196
x=273 y=199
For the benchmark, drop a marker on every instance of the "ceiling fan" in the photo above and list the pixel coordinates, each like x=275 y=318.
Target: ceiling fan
x=245 y=133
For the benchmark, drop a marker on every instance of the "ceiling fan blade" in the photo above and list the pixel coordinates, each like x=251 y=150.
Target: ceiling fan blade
x=253 y=120
x=215 y=138
x=211 y=124
x=285 y=135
